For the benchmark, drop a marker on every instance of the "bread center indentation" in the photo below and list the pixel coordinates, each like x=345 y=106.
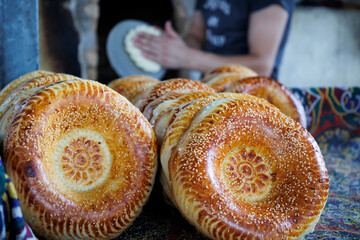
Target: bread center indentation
x=82 y=159
x=247 y=175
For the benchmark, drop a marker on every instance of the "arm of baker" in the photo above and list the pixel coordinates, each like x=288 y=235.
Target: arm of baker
x=266 y=27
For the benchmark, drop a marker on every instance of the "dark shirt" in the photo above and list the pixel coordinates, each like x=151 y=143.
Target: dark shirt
x=227 y=24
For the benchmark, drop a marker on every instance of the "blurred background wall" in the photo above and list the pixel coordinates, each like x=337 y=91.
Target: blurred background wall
x=67 y=36
x=323 y=47
x=19 y=39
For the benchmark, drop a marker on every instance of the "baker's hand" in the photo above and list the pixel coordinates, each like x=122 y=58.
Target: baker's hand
x=168 y=49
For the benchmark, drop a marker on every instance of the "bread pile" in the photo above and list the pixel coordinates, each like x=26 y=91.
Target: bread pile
x=83 y=156
x=83 y=159
x=240 y=79
x=233 y=164
x=222 y=77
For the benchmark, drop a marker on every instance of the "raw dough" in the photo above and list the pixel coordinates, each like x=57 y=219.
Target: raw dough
x=135 y=54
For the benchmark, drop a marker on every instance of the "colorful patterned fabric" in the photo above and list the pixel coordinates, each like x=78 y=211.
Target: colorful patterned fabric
x=12 y=225
x=334 y=120
x=331 y=108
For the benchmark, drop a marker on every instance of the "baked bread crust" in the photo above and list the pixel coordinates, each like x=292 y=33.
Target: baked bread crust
x=164 y=99
x=160 y=106
x=178 y=84
x=220 y=82
x=13 y=84
x=132 y=86
x=274 y=92
x=222 y=77
x=82 y=159
x=232 y=68
x=180 y=119
x=243 y=169
x=27 y=86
